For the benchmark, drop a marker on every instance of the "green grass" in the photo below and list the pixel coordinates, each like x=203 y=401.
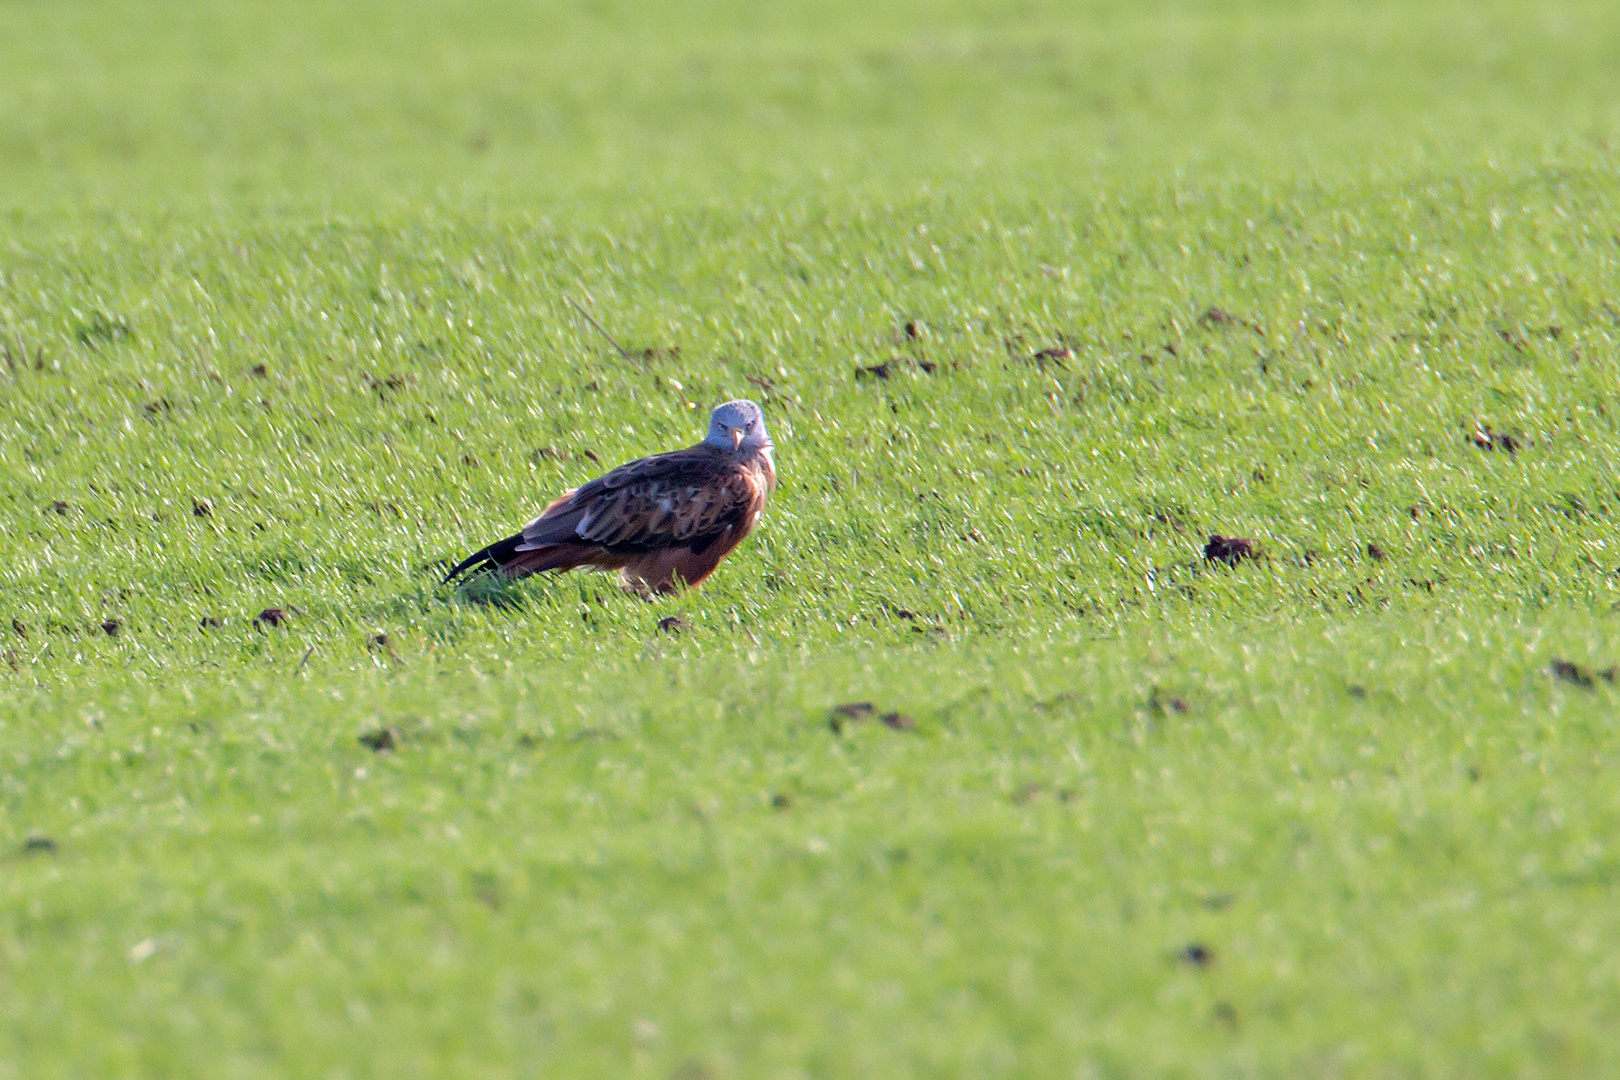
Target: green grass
x=285 y=297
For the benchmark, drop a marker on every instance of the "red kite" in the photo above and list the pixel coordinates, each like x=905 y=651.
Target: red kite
x=661 y=522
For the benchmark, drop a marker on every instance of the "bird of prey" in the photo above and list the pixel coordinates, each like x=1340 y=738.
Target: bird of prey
x=662 y=522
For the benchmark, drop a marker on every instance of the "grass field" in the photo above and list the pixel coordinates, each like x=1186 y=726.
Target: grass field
x=285 y=323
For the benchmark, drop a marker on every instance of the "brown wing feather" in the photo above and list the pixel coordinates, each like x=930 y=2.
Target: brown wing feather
x=682 y=498
x=659 y=521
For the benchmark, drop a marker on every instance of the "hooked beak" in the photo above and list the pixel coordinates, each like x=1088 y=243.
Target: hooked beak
x=736 y=438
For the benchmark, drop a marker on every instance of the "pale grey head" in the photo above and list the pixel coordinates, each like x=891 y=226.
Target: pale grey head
x=738 y=425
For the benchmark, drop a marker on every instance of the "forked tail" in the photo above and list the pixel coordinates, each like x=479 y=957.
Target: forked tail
x=494 y=556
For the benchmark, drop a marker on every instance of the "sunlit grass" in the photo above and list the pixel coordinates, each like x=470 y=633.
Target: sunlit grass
x=1036 y=301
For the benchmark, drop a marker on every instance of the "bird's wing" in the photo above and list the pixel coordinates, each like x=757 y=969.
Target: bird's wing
x=683 y=498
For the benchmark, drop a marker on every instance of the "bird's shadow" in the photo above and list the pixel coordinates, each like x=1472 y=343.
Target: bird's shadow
x=494 y=590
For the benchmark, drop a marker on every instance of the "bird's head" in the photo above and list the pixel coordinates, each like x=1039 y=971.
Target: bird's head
x=738 y=425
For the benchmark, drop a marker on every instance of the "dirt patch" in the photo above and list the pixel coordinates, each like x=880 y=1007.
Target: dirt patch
x=1585 y=678
x=1483 y=437
x=852 y=712
x=1163 y=703
x=889 y=368
x=845 y=716
x=899 y=721
x=271 y=616
x=387 y=384
x=1230 y=550
x=382 y=740
x=1196 y=954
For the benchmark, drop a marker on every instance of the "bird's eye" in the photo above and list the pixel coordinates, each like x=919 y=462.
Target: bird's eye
x=750 y=426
